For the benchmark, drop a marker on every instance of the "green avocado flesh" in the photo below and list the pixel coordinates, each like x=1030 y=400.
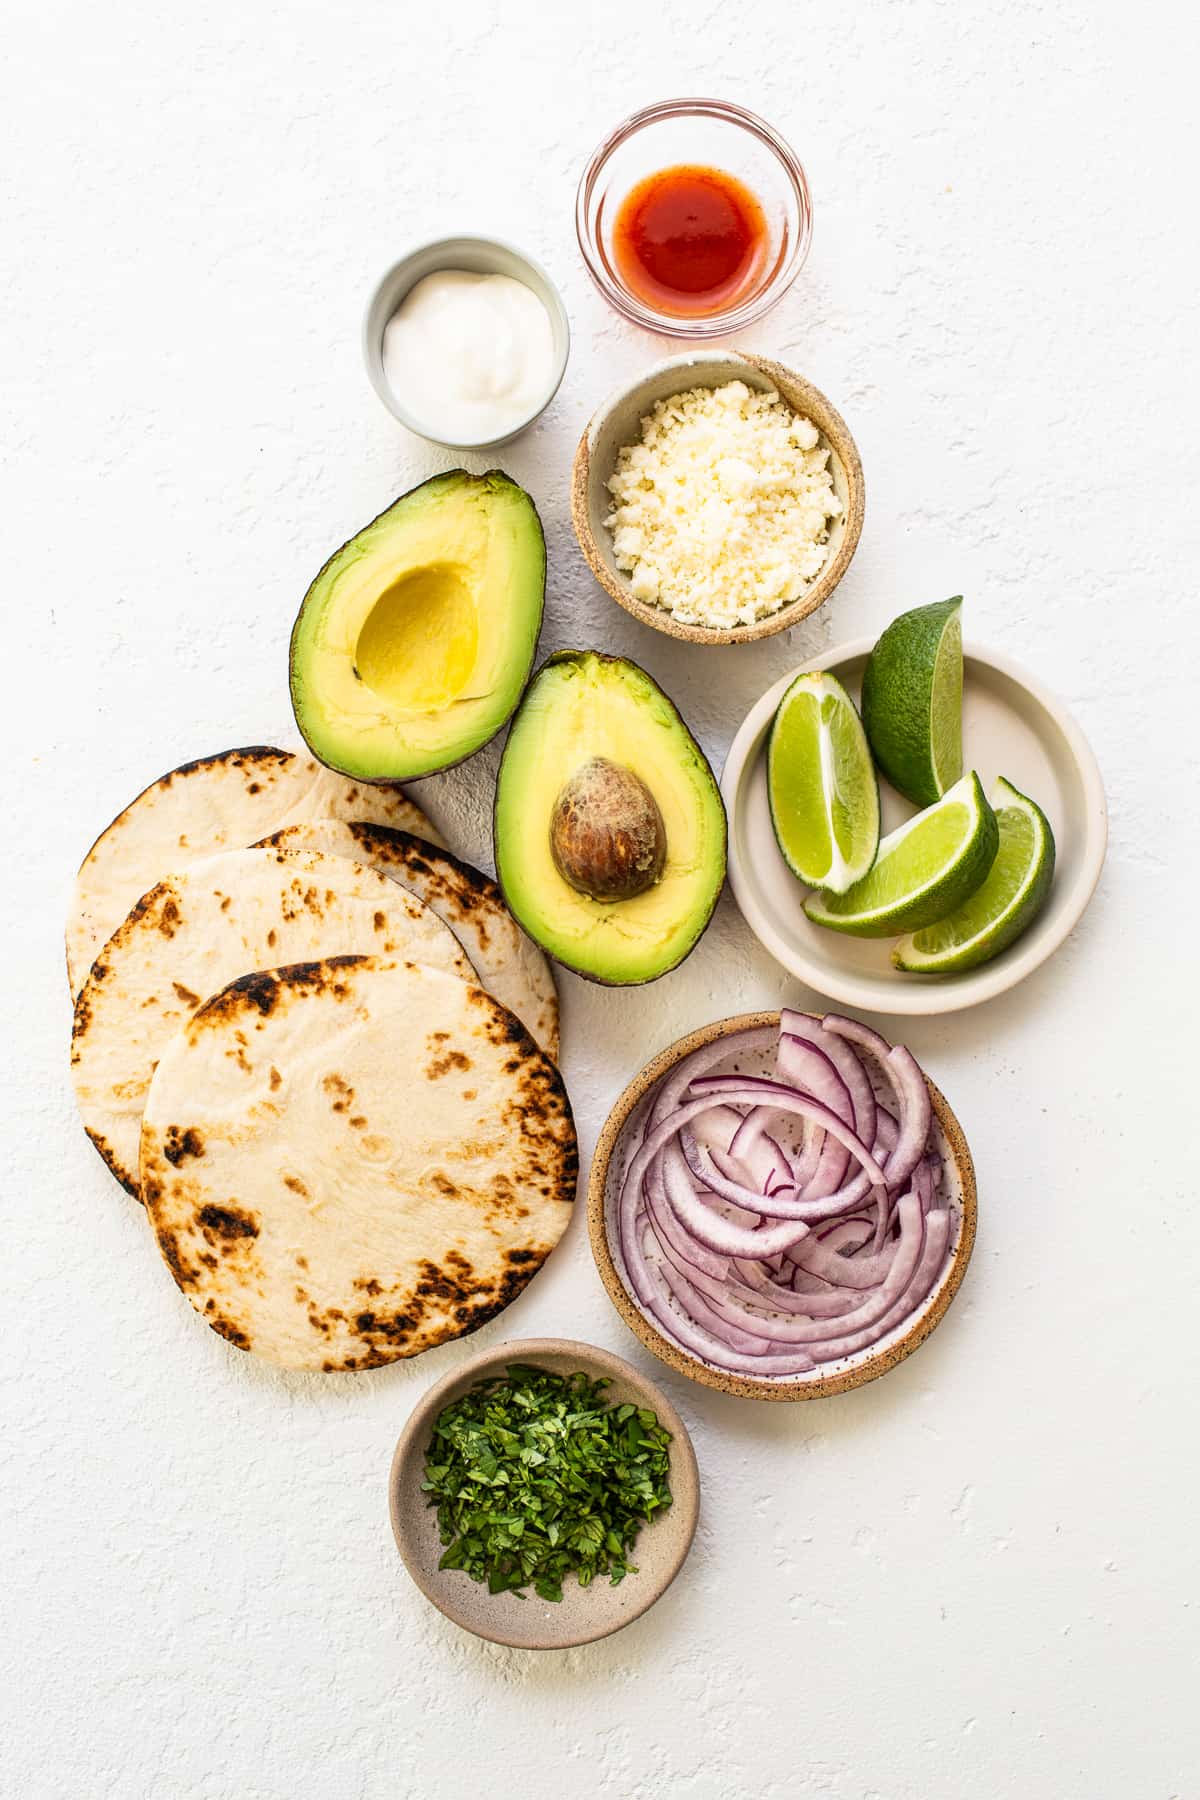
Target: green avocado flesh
x=583 y=709
x=413 y=643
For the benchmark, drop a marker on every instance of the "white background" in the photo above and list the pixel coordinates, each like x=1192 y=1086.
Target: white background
x=974 y=1578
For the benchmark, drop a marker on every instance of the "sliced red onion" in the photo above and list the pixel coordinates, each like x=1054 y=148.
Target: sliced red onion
x=710 y=1227
x=675 y=1083
x=708 y=1166
x=742 y=1210
x=896 y=1278
x=804 y=1283
x=853 y=1031
x=805 y=1166
x=932 y=1261
x=831 y=1306
x=845 y=1061
x=714 y=1207
x=631 y=1193
x=846 y=1235
x=805 y=1067
x=902 y=1072
x=847 y=1271
x=708 y=1170
x=830 y=1172
x=916 y=1115
x=710 y=1349
x=716 y=1129
x=762 y=1156
x=784 y=1326
x=758 y=1288
x=708 y=1313
x=748 y=1132
x=810 y=1070
x=749 y=1090
x=667 y=1225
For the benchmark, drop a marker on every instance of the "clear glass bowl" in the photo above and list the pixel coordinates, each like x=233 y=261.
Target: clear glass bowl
x=720 y=136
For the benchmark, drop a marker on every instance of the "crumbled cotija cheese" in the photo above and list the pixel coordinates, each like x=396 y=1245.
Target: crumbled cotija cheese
x=721 y=513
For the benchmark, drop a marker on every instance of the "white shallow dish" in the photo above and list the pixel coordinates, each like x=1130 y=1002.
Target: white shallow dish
x=1011 y=727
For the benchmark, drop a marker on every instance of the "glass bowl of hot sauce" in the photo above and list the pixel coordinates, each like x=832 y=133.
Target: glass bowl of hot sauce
x=694 y=217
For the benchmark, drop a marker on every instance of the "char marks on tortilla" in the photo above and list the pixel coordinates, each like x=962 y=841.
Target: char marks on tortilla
x=222 y=802
x=239 y=911
x=509 y=964
x=350 y=1161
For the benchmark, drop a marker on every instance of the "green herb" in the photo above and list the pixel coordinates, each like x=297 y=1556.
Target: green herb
x=536 y=1475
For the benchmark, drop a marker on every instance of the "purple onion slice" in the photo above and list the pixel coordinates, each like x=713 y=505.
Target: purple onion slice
x=845 y=1060
x=710 y=1227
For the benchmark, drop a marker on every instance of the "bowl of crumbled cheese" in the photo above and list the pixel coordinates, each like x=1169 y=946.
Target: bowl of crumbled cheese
x=718 y=498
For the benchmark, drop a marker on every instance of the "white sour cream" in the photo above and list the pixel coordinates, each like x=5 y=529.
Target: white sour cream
x=469 y=357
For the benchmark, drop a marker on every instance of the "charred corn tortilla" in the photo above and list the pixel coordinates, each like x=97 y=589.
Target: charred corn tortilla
x=352 y=1160
x=510 y=966
x=195 y=932
x=222 y=802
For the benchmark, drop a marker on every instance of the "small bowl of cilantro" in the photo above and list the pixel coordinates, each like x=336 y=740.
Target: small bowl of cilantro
x=544 y=1494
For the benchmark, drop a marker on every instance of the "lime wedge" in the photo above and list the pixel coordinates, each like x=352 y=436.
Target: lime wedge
x=925 y=869
x=821 y=784
x=1003 y=907
x=912 y=701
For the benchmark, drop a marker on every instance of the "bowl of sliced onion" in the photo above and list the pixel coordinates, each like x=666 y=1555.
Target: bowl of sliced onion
x=782 y=1205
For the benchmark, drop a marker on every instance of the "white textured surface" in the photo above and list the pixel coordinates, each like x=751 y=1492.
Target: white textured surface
x=976 y=1577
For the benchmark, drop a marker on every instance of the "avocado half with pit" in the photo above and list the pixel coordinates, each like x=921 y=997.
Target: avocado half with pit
x=413 y=643
x=609 y=827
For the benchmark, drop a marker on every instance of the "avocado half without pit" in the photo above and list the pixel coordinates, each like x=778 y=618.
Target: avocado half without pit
x=609 y=826
x=413 y=643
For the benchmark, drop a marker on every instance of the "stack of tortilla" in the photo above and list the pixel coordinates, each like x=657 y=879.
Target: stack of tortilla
x=319 y=1049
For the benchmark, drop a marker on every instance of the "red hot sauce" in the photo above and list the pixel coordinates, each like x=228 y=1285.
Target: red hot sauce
x=689 y=240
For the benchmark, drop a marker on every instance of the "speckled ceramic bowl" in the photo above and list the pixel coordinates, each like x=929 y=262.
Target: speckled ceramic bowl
x=619 y=422
x=608 y=1165
x=583 y=1614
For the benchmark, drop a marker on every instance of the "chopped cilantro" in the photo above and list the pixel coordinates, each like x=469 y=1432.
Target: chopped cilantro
x=536 y=1476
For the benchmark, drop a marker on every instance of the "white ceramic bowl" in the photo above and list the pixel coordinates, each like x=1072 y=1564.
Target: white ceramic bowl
x=479 y=256
x=1011 y=727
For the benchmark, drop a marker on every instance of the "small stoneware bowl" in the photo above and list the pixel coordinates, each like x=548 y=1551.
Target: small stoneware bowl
x=613 y=1151
x=478 y=256
x=619 y=422
x=1012 y=727
x=583 y=1614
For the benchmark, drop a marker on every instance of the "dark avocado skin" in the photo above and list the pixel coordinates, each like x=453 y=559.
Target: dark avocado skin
x=448 y=478
x=565 y=656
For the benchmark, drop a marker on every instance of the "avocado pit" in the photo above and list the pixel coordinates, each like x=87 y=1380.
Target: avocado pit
x=607 y=836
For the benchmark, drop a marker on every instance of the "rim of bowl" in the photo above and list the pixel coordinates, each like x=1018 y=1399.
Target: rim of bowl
x=372 y=342
x=675 y=1356
x=915 y=997
x=592 y=1356
x=833 y=429
x=735 y=317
